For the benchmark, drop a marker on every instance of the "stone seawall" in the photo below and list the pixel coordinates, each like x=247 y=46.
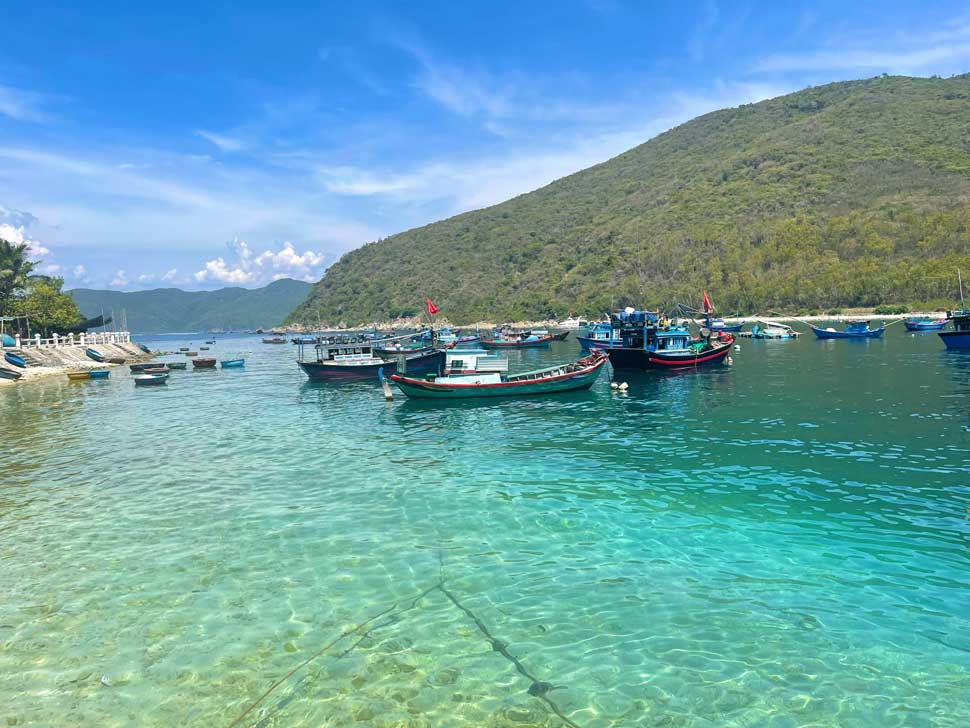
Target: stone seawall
x=51 y=361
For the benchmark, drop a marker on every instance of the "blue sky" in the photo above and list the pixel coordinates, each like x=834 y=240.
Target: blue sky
x=207 y=144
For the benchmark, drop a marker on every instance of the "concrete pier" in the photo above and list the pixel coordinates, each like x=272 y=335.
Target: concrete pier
x=51 y=361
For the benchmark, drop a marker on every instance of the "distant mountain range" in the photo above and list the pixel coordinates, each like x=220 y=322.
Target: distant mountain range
x=852 y=194
x=171 y=309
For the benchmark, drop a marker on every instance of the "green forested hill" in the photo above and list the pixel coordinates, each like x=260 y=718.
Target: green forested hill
x=850 y=194
x=170 y=309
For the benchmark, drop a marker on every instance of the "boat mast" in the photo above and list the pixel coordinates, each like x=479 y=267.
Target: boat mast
x=963 y=304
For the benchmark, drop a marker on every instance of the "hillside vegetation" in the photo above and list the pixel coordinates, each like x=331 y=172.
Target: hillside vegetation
x=849 y=194
x=172 y=310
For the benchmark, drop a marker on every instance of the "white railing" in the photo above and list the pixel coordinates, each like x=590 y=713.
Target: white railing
x=87 y=339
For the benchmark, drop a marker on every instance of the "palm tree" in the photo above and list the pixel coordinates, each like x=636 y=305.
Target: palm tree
x=15 y=269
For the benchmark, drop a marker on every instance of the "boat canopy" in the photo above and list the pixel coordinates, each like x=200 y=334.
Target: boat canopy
x=478 y=360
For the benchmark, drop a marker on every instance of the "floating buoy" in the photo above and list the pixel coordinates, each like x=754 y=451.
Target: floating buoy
x=737 y=347
x=614 y=385
x=624 y=386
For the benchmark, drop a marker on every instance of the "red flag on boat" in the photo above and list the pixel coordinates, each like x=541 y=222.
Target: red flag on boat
x=707 y=304
x=432 y=309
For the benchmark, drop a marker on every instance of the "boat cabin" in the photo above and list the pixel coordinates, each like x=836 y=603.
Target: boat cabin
x=650 y=331
x=858 y=326
x=345 y=353
x=961 y=320
x=473 y=366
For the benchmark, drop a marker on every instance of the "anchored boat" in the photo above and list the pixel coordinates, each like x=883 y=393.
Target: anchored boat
x=598 y=335
x=959 y=337
x=924 y=323
x=647 y=344
x=99 y=373
x=78 y=376
x=772 y=330
x=358 y=361
x=150 y=380
x=509 y=340
x=858 y=329
x=476 y=373
x=232 y=363
x=204 y=363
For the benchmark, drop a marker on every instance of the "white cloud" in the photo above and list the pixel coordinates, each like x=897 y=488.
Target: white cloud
x=170 y=275
x=80 y=271
x=13 y=229
x=225 y=143
x=21 y=105
x=146 y=278
x=51 y=269
x=270 y=265
x=120 y=279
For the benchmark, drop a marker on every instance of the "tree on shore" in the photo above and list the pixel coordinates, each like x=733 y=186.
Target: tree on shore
x=15 y=271
x=39 y=297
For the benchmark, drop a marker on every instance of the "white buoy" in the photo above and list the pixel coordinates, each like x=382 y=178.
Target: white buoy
x=614 y=385
x=624 y=386
x=737 y=347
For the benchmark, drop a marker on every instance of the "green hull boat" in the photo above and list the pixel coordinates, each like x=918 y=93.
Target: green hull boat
x=469 y=374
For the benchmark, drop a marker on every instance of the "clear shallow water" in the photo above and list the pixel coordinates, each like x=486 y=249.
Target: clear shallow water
x=780 y=543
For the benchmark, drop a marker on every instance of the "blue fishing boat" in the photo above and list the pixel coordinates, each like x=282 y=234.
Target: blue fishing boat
x=150 y=380
x=959 y=337
x=358 y=362
x=17 y=361
x=718 y=325
x=506 y=340
x=924 y=323
x=858 y=329
x=648 y=342
x=100 y=373
x=468 y=373
x=598 y=335
x=232 y=363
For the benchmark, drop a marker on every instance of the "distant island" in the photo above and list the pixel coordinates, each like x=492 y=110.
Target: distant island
x=173 y=310
x=853 y=194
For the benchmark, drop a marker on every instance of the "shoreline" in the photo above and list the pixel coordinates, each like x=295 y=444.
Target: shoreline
x=65 y=359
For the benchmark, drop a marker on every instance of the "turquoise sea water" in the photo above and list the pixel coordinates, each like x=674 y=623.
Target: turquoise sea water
x=783 y=542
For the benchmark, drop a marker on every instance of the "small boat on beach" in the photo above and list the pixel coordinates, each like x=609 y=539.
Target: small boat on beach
x=358 y=362
x=232 y=363
x=78 y=376
x=94 y=354
x=100 y=373
x=924 y=323
x=466 y=373
x=16 y=360
x=116 y=360
x=646 y=343
x=204 y=363
x=143 y=348
x=150 y=380
x=9 y=374
x=858 y=329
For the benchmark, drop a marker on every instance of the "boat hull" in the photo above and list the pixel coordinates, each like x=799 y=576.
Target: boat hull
x=871 y=334
x=99 y=373
x=15 y=360
x=571 y=382
x=151 y=380
x=958 y=340
x=204 y=363
x=333 y=372
x=589 y=344
x=78 y=376
x=94 y=354
x=233 y=363
x=640 y=360
x=728 y=328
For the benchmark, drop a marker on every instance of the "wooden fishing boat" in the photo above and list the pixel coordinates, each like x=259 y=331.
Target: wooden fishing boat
x=203 y=348
x=94 y=354
x=718 y=325
x=116 y=360
x=78 y=376
x=772 y=330
x=357 y=362
x=177 y=364
x=145 y=365
x=150 y=380
x=275 y=340
x=211 y=341
x=9 y=374
x=858 y=329
x=466 y=373
x=204 y=363
x=100 y=373
x=191 y=353
x=959 y=337
x=232 y=363
x=183 y=348
x=646 y=344
x=393 y=351
x=560 y=336
x=15 y=359
x=924 y=323
x=598 y=335
x=517 y=342
x=160 y=369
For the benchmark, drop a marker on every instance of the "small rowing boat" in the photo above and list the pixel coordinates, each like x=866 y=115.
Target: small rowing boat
x=9 y=374
x=145 y=365
x=232 y=363
x=858 y=329
x=78 y=376
x=149 y=380
x=100 y=373
x=94 y=354
x=204 y=363
x=177 y=364
x=924 y=323
x=17 y=361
